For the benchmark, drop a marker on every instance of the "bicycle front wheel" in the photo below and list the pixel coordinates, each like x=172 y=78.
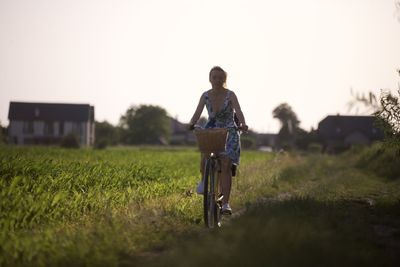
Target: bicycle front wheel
x=211 y=207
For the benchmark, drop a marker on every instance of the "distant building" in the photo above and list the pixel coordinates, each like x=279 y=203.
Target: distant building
x=48 y=123
x=180 y=135
x=343 y=131
x=267 y=141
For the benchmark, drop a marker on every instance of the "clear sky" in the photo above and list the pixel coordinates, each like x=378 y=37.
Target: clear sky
x=114 y=53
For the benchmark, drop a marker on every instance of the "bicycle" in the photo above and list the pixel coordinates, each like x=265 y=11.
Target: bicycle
x=211 y=142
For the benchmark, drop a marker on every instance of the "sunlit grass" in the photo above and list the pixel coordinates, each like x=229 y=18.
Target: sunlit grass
x=128 y=206
x=64 y=207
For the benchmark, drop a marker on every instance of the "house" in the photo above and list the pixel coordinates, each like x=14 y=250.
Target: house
x=267 y=141
x=180 y=135
x=343 y=131
x=48 y=123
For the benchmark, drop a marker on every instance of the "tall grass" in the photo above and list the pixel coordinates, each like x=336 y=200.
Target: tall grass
x=127 y=207
x=381 y=159
x=95 y=207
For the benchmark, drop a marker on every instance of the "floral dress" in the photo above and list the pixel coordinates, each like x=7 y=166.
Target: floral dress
x=225 y=119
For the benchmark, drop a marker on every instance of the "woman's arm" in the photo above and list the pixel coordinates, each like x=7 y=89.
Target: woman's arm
x=198 y=111
x=238 y=110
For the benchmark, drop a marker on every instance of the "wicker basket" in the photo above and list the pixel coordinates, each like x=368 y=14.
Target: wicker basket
x=211 y=140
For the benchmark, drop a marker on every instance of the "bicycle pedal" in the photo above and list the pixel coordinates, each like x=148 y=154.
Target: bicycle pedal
x=220 y=197
x=226 y=212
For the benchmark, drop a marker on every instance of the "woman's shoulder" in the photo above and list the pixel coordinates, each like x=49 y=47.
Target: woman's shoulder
x=209 y=91
x=231 y=93
x=206 y=93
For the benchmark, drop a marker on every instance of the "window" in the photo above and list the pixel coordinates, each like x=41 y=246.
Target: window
x=27 y=127
x=48 y=128
x=77 y=128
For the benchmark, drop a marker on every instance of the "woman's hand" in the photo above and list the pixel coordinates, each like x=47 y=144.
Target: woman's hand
x=244 y=127
x=190 y=126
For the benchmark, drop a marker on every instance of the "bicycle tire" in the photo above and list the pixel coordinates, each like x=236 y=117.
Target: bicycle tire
x=217 y=205
x=212 y=205
x=212 y=209
x=206 y=193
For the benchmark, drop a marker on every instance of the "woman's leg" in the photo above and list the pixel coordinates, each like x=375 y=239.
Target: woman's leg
x=200 y=185
x=226 y=178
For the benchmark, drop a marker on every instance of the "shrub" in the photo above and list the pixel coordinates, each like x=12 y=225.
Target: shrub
x=3 y=135
x=314 y=148
x=247 y=142
x=70 y=141
x=101 y=144
x=381 y=160
x=338 y=148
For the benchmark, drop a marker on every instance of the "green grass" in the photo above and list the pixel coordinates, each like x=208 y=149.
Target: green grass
x=296 y=232
x=87 y=207
x=135 y=206
x=317 y=210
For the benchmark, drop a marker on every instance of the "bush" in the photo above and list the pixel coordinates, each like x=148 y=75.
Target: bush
x=70 y=141
x=100 y=144
x=247 y=142
x=314 y=148
x=381 y=160
x=337 y=148
x=3 y=135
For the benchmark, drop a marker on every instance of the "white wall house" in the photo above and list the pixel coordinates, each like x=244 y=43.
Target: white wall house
x=48 y=123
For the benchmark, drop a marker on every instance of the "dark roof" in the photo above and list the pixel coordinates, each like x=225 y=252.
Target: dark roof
x=177 y=126
x=50 y=111
x=341 y=126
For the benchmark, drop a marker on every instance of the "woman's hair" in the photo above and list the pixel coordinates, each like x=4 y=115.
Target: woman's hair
x=219 y=69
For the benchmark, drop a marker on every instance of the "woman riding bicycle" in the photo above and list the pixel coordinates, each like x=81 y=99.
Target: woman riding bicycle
x=222 y=105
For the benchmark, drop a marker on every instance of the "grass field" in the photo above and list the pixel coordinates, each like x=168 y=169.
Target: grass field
x=88 y=207
x=320 y=210
x=135 y=206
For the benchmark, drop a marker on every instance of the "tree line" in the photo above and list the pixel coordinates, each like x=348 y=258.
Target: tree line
x=150 y=124
x=143 y=124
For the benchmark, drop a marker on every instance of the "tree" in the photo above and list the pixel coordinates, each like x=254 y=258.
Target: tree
x=390 y=115
x=106 y=134
x=289 y=124
x=286 y=116
x=3 y=134
x=145 y=124
x=386 y=110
